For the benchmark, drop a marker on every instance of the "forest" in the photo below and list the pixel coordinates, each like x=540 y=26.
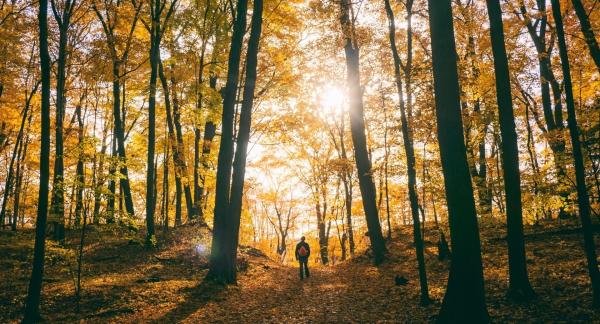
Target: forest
x=161 y=159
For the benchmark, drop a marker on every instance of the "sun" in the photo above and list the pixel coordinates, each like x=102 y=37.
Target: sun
x=331 y=99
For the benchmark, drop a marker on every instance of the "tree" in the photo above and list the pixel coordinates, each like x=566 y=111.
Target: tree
x=109 y=19
x=588 y=32
x=553 y=117
x=409 y=150
x=32 y=303
x=345 y=173
x=220 y=269
x=357 y=127
x=243 y=135
x=176 y=142
x=9 y=176
x=80 y=177
x=157 y=27
x=519 y=286
x=464 y=300
x=57 y=206
x=582 y=195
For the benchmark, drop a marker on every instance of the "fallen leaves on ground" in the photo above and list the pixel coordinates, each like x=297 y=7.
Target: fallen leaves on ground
x=123 y=282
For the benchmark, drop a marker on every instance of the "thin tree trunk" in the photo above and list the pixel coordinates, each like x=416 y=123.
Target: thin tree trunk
x=119 y=129
x=588 y=32
x=582 y=194
x=519 y=287
x=155 y=33
x=19 y=177
x=464 y=300
x=410 y=156
x=553 y=118
x=112 y=169
x=199 y=97
x=347 y=180
x=180 y=149
x=57 y=209
x=100 y=178
x=208 y=137
x=165 y=198
x=9 y=177
x=357 y=126
x=32 y=303
x=178 y=161
x=80 y=177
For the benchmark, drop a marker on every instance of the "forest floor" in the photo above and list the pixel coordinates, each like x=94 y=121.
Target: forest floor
x=123 y=282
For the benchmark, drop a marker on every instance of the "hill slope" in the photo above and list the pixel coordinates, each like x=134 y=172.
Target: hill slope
x=122 y=282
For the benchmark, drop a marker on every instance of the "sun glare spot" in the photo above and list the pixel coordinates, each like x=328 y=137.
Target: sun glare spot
x=201 y=249
x=331 y=99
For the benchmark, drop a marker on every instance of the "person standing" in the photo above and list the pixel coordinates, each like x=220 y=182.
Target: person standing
x=302 y=254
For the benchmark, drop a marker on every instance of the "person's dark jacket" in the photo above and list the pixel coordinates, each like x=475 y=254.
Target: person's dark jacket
x=306 y=246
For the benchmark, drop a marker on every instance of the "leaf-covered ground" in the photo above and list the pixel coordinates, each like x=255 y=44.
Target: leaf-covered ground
x=122 y=282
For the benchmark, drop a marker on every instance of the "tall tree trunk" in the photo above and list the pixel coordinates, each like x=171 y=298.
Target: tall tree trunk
x=19 y=177
x=177 y=154
x=357 y=127
x=119 y=131
x=165 y=199
x=220 y=268
x=32 y=303
x=410 y=157
x=80 y=177
x=180 y=149
x=9 y=176
x=519 y=287
x=464 y=300
x=243 y=137
x=321 y=210
x=347 y=180
x=57 y=207
x=99 y=177
x=582 y=194
x=588 y=32
x=199 y=97
x=207 y=140
x=154 y=62
x=112 y=184
x=553 y=118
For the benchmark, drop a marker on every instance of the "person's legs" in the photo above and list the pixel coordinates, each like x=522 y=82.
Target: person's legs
x=301 y=270
x=305 y=264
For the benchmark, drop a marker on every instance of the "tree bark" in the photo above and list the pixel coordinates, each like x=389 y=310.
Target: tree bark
x=178 y=160
x=154 y=62
x=588 y=32
x=357 y=127
x=118 y=146
x=80 y=176
x=582 y=194
x=22 y=155
x=220 y=269
x=464 y=300
x=410 y=155
x=32 y=303
x=19 y=139
x=552 y=117
x=243 y=136
x=57 y=209
x=182 y=165
x=519 y=287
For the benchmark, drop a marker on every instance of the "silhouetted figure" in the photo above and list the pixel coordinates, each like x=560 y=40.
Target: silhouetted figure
x=302 y=254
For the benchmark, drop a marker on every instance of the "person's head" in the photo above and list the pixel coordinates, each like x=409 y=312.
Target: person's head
x=302 y=238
